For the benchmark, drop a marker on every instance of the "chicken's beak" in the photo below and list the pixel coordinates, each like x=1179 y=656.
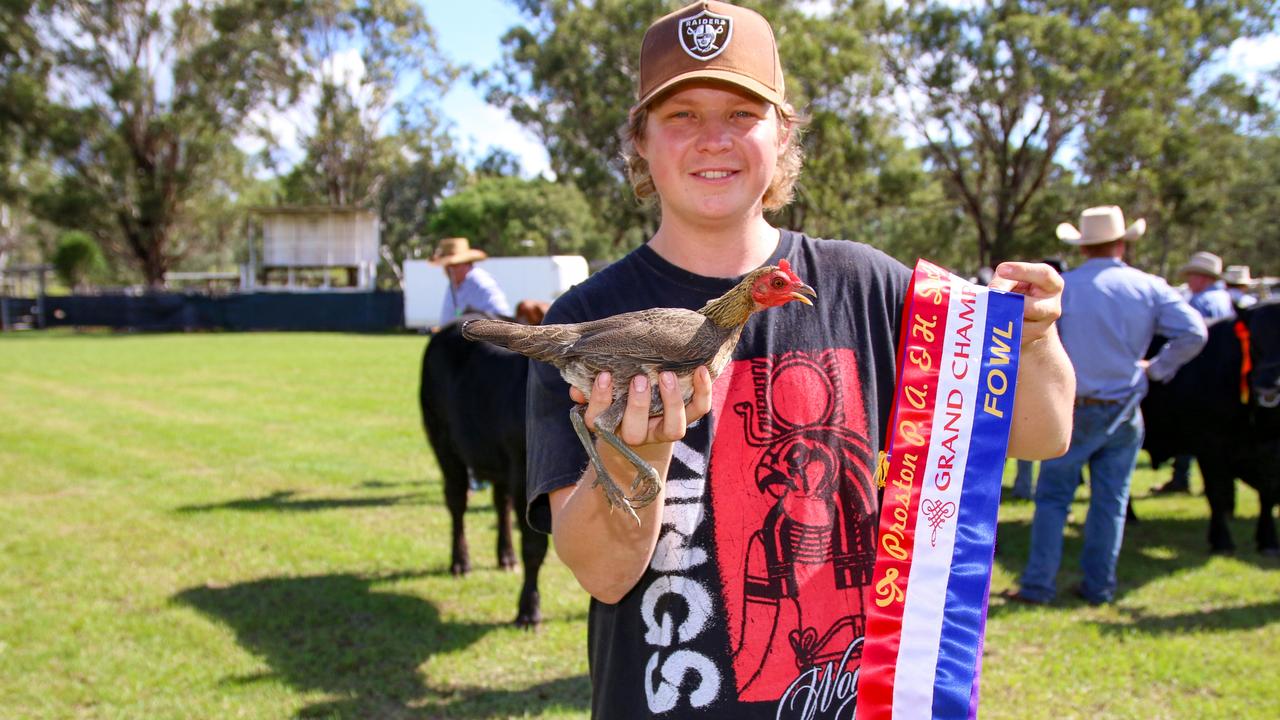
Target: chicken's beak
x=807 y=291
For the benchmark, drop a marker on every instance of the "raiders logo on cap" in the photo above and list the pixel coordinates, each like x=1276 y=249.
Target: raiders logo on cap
x=705 y=35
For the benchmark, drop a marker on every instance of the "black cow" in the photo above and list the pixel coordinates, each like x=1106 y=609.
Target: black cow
x=473 y=405
x=1200 y=411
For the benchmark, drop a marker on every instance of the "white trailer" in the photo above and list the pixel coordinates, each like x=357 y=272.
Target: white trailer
x=521 y=278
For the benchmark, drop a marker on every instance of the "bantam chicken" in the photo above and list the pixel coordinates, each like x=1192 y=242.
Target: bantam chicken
x=644 y=342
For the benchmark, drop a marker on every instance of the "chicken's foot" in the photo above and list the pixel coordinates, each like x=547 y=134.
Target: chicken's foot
x=646 y=476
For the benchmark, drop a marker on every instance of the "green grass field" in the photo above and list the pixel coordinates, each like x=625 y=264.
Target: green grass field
x=252 y=526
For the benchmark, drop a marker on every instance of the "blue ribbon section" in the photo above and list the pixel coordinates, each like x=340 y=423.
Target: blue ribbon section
x=965 y=617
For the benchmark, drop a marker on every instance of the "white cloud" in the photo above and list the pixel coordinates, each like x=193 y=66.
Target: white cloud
x=344 y=67
x=1250 y=57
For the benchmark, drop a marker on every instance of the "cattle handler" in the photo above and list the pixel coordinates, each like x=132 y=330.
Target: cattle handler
x=1203 y=275
x=1110 y=312
x=471 y=289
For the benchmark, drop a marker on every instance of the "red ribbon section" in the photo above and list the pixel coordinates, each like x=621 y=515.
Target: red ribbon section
x=920 y=350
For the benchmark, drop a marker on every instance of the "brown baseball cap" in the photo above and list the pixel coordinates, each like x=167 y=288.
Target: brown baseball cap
x=711 y=41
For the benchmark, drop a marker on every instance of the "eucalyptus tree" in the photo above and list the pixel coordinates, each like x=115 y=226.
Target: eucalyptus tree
x=141 y=107
x=1004 y=94
x=24 y=167
x=1210 y=181
x=423 y=171
x=1177 y=135
x=23 y=68
x=147 y=96
x=568 y=74
x=373 y=71
x=993 y=93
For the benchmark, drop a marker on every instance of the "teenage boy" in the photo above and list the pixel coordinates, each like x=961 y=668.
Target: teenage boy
x=743 y=589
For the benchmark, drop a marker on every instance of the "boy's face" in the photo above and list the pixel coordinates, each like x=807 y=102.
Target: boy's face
x=712 y=151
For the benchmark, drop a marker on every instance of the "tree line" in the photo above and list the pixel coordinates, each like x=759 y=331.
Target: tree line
x=959 y=133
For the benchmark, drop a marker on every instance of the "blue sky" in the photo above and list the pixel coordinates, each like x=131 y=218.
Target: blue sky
x=470 y=31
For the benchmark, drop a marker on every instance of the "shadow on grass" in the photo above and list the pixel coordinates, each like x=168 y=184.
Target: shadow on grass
x=1244 y=617
x=570 y=694
x=338 y=634
x=286 y=501
x=1154 y=548
x=376 y=484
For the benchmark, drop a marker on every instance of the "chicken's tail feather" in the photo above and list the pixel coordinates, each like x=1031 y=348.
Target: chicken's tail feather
x=540 y=342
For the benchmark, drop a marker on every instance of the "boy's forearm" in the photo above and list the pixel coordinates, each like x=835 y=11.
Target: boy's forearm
x=603 y=546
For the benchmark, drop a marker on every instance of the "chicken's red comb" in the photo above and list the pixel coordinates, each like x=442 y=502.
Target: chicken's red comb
x=785 y=267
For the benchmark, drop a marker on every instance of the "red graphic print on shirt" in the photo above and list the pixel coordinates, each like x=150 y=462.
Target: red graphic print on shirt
x=794 y=501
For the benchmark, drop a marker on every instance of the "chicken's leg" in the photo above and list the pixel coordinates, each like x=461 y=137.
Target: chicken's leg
x=645 y=474
x=646 y=477
x=612 y=493
x=606 y=426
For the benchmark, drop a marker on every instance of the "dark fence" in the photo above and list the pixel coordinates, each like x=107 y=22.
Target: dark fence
x=315 y=311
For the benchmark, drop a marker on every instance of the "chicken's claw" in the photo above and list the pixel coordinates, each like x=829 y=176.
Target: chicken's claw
x=649 y=493
x=614 y=495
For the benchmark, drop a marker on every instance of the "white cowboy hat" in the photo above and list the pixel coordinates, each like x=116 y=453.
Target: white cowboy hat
x=1100 y=225
x=1237 y=275
x=1204 y=263
x=456 y=250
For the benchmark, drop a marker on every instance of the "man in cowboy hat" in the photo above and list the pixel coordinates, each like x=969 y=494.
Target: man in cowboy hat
x=1110 y=312
x=1202 y=273
x=471 y=289
x=1239 y=282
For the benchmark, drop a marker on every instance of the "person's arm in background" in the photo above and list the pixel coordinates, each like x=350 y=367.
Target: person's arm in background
x=1185 y=330
x=448 y=312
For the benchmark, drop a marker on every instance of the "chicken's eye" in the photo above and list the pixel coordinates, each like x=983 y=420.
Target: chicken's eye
x=779 y=283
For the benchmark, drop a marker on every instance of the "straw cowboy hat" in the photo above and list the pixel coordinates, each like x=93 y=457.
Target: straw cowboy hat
x=1237 y=275
x=1203 y=263
x=456 y=250
x=1100 y=225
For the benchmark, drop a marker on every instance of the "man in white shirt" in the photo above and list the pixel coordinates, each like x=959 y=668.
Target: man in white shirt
x=471 y=289
x=1238 y=282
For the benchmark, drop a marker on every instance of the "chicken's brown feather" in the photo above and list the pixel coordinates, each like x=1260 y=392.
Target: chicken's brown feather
x=674 y=337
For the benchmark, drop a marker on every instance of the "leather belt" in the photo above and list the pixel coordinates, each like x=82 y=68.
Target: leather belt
x=1096 y=401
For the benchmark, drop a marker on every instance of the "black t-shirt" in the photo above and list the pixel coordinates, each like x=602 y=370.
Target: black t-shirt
x=753 y=603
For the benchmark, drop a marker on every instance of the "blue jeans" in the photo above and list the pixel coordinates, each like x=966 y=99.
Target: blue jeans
x=1023 y=479
x=1111 y=459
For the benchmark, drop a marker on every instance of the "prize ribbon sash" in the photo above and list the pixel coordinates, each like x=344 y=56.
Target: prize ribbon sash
x=957 y=367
